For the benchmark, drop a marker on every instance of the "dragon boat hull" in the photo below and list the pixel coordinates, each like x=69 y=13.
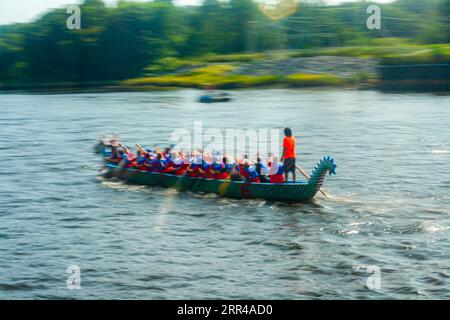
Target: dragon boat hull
x=283 y=192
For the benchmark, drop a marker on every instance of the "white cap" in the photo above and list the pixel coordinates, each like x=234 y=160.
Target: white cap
x=198 y=160
x=274 y=167
x=177 y=161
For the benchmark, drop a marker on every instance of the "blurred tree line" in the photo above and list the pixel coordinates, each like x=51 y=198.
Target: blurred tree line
x=119 y=42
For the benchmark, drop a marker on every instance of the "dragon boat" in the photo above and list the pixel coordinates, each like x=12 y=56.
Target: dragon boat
x=302 y=191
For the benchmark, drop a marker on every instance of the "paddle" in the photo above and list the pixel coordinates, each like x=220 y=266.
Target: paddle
x=140 y=148
x=127 y=151
x=303 y=172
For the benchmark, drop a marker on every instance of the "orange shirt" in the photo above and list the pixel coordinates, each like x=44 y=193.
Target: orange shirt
x=289 y=145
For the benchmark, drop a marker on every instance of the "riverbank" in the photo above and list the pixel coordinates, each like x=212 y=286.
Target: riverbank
x=402 y=67
x=232 y=72
x=280 y=70
x=386 y=65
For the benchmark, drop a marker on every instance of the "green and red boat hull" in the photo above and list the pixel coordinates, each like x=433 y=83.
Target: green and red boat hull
x=283 y=192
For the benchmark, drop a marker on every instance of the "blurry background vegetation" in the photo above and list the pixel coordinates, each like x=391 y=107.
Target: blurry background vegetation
x=157 y=43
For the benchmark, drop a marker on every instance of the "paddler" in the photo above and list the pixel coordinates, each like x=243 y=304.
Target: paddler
x=234 y=172
x=276 y=171
x=178 y=165
x=153 y=164
x=218 y=168
x=205 y=169
x=262 y=169
x=171 y=163
x=228 y=164
x=140 y=160
x=127 y=159
x=116 y=156
x=193 y=169
x=248 y=172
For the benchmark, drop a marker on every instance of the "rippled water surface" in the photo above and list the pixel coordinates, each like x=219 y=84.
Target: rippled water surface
x=390 y=204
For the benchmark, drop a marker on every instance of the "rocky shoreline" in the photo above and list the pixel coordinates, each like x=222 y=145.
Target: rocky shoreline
x=269 y=70
x=344 y=67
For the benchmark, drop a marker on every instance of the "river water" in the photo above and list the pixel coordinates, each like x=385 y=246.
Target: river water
x=388 y=217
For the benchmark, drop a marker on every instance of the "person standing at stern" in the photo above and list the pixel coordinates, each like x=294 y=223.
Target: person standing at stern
x=288 y=156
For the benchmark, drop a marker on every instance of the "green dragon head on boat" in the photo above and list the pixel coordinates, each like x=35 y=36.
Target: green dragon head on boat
x=326 y=164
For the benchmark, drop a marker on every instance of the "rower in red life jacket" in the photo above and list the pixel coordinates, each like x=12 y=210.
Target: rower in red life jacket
x=249 y=172
x=205 y=169
x=163 y=163
x=234 y=173
x=276 y=171
x=140 y=160
x=240 y=163
x=218 y=168
x=178 y=165
x=144 y=157
x=228 y=164
x=167 y=151
x=154 y=164
x=173 y=164
x=166 y=163
x=127 y=158
x=193 y=169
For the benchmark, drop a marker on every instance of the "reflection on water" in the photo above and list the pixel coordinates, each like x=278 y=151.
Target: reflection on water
x=389 y=204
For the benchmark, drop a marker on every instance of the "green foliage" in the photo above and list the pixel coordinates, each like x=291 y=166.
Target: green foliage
x=219 y=76
x=208 y=75
x=170 y=64
x=135 y=39
x=313 y=80
x=202 y=80
x=214 y=69
x=434 y=54
x=376 y=48
x=242 y=57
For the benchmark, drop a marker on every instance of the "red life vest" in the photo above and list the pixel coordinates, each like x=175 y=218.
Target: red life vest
x=167 y=169
x=278 y=175
x=169 y=166
x=182 y=169
x=222 y=175
x=194 y=172
x=276 y=178
x=250 y=174
x=222 y=172
x=155 y=165
x=127 y=160
x=206 y=168
x=141 y=167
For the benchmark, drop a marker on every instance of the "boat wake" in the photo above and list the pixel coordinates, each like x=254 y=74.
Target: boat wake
x=432 y=227
x=117 y=184
x=440 y=151
x=350 y=198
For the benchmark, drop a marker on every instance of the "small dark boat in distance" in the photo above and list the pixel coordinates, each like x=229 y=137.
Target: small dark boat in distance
x=215 y=97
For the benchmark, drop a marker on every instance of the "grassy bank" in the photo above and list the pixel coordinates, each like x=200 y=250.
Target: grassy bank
x=355 y=66
x=222 y=71
x=238 y=81
x=299 y=68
